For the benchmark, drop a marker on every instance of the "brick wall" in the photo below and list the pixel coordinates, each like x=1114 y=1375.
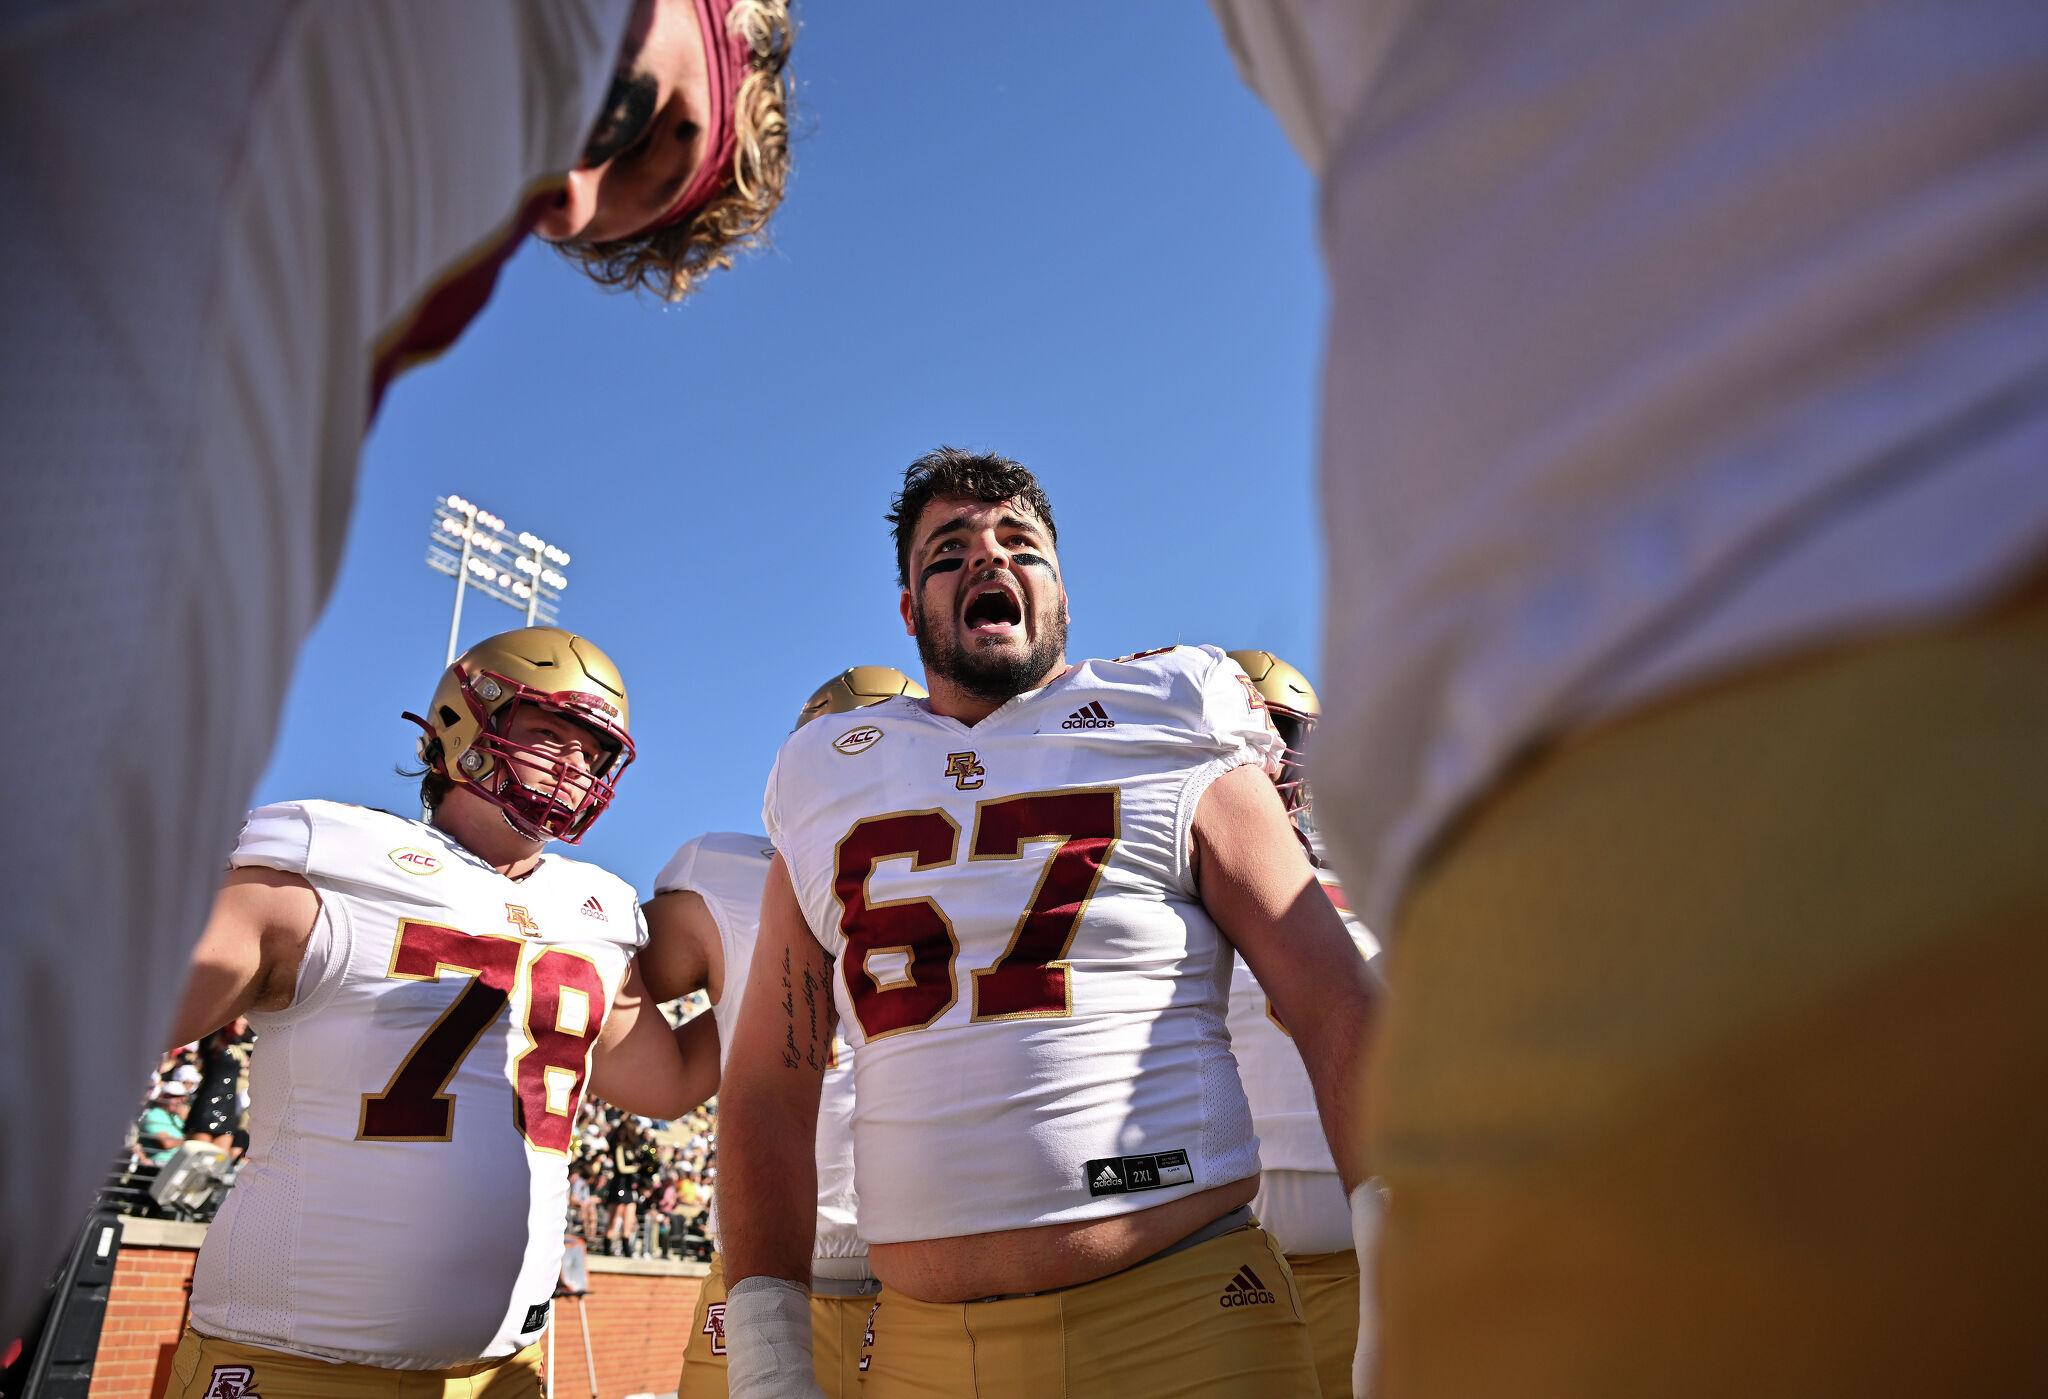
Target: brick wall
x=639 y=1327
x=639 y=1320
x=145 y=1308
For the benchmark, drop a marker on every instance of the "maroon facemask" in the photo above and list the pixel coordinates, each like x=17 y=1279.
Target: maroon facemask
x=567 y=798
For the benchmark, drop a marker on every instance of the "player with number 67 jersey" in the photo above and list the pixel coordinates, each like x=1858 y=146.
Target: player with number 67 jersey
x=1021 y=894
x=1021 y=941
x=432 y=1001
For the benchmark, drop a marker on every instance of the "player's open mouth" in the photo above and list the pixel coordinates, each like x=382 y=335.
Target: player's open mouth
x=992 y=610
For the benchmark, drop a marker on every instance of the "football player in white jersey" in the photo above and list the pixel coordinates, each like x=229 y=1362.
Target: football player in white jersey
x=1031 y=885
x=1685 y=482
x=228 y=225
x=433 y=999
x=1301 y=1201
x=701 y=924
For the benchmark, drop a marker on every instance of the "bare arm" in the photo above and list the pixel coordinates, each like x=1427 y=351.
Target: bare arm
x=1258 y=886
x=248 y=956
x=643 y=1066
x=683 y=953
x=768 y=1113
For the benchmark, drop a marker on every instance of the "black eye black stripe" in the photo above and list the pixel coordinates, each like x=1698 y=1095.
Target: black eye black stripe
x=628 y=108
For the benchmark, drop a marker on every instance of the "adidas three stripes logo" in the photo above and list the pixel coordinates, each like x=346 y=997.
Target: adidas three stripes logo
x=1089 y=716
x=1245 y=1290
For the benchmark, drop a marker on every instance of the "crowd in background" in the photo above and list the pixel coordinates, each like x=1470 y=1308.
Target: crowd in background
x=200 y=1092
x=640 y=1188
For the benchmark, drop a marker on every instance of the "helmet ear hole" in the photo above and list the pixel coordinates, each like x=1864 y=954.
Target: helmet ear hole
x=449 y=717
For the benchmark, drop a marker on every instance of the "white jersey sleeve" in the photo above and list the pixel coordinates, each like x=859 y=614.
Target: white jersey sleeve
x=412 y=1112
x=728 y=870
x=1034 y=991
x=280 y=837
x=1303 y=1217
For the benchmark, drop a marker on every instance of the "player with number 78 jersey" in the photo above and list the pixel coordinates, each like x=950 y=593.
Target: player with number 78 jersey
x=432 y=1001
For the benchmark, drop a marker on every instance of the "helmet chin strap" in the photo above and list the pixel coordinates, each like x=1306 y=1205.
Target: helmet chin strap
x=526 y=834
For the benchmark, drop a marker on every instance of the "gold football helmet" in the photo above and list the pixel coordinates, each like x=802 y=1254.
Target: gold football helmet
x=1292 y=703
x=465 y=739
x=857 y=688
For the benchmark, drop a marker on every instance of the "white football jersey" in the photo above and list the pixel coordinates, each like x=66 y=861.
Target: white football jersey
x=412 y=1112
x=728 y=870
x=1034 y=989
x=1284 y=1109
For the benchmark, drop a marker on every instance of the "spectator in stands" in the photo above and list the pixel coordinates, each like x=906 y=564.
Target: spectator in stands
x=630 y=1162
x=582 y=1203
x=216 y=1114
x=163 y=1122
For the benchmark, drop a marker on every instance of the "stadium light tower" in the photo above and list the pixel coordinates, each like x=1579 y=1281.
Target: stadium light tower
x=474 y=547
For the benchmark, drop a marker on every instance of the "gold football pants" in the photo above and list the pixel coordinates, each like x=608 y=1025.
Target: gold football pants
x=1328 y=1285
x=1716 y=1059
x=836 y=1327
x=1219 y=1320
x=206 y=1368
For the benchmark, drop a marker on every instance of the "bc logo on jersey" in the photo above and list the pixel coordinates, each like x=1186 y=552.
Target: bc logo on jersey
x=232 y=1382
x=714 y=1326
x=962 y=766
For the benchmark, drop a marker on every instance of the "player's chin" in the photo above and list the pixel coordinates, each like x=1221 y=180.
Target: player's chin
x=1014 y=641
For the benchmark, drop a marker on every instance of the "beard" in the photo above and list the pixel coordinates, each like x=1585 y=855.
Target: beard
x=993 y=675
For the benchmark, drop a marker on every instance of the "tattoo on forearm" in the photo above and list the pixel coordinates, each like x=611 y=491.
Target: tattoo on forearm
x=790 y=1058
x=809 y=1055
x=811 y=988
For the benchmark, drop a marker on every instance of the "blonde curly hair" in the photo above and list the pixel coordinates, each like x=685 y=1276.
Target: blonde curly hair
x=671 y=261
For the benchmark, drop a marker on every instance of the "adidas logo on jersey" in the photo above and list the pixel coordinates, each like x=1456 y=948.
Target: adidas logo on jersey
x=1116 y=1175
x=593 y=909
x=1089 y=716
x=1245 y=1290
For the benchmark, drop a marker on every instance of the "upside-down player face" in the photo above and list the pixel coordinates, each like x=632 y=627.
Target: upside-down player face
x=985 y=600
x=649 y=138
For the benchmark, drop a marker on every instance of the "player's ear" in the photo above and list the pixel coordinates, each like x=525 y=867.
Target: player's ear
x=909 y=612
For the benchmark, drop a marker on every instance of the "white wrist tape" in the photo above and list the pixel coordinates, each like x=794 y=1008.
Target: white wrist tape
x=1368 y=1206
x=768 y=1340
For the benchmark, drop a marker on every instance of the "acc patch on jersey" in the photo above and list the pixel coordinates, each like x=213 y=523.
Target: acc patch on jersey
x=232 y=1382
x=413 y=860
x=857 y=740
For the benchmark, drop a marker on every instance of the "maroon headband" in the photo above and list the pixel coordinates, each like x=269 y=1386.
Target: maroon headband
x=725 y=64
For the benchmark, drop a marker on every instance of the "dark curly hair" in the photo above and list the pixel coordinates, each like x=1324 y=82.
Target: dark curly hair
x=953 y=474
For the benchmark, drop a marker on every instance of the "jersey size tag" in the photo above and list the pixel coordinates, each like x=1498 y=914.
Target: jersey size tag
x=1120 y=1175
x=536 y=1317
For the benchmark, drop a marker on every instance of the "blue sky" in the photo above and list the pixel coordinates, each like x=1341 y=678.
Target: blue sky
x=1066 y=234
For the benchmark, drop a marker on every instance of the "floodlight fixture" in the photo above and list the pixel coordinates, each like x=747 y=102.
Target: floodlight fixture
x=471 y=545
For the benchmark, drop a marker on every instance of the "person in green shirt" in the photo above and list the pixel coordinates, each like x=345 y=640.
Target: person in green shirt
x=163 y=1122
